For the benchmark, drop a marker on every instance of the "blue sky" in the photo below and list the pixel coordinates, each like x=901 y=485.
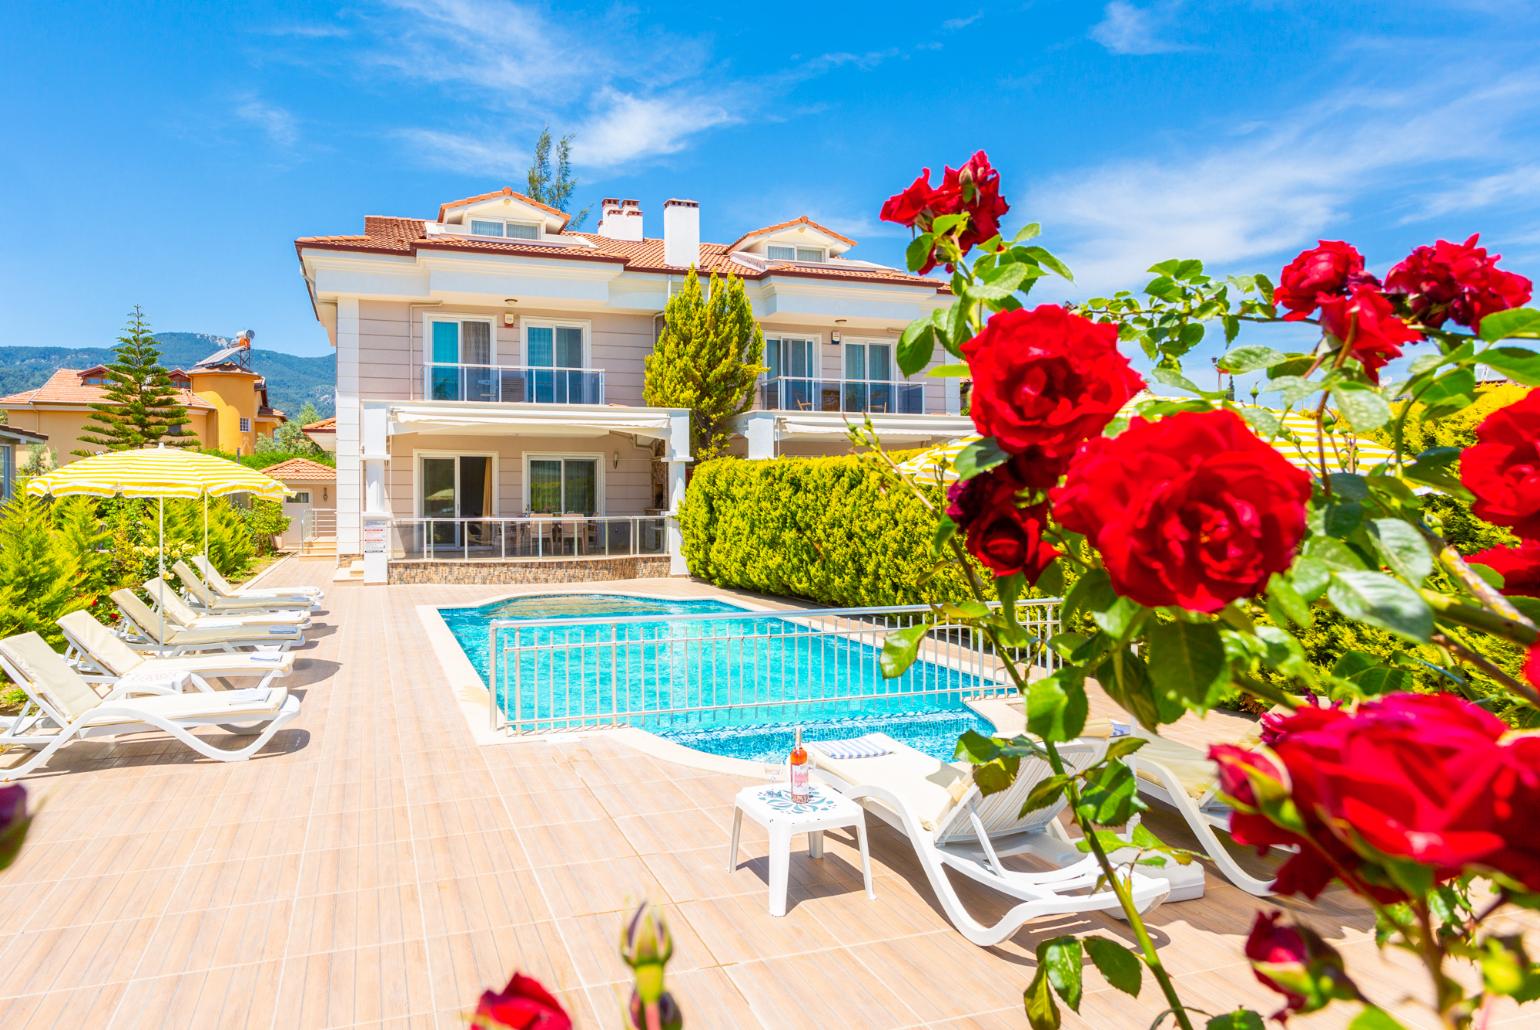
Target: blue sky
x=168 y=154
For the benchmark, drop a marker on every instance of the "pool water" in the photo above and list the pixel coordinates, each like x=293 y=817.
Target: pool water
x=748 y=678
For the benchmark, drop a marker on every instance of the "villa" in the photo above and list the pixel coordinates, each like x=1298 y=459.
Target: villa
x=489 y=380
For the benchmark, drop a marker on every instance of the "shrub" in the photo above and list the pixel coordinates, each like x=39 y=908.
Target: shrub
x=832 y=530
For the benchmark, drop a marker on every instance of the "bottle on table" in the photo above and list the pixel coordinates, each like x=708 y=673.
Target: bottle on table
x=800 y=792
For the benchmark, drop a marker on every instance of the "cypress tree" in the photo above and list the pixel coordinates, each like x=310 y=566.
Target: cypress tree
x=707 y=359
x=85 y=539
x=139 y=406
x=37 y=577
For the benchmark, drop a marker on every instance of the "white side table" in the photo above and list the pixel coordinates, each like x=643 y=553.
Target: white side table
x=771 y=806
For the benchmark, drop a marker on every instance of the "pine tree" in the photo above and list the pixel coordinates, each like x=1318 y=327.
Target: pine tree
x=37 y=578
x=139 y=406
x=85 y=538
x=707 y=359
x=554 y=189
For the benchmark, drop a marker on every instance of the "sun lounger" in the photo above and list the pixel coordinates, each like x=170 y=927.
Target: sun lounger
x=955 y=827
x=180 y=612
x=223 y=588
x=98 y=654
x=61 y=707
x=207 y=602
x=164 y=636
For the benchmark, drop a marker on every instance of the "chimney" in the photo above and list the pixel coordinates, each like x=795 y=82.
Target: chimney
x=681 y=233
x=620 y=219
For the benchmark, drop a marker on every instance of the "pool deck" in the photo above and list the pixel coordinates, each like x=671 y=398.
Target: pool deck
x=377 y=866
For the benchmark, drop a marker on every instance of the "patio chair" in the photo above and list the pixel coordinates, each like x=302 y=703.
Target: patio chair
x=222 y=587
x=1183 y=778
x=167 y=637
x=179 y=611
x=98 y=654
x=61 y=707
x=952 y=825
x=203 y=597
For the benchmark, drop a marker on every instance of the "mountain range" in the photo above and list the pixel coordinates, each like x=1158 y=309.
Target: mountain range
x=292 y=379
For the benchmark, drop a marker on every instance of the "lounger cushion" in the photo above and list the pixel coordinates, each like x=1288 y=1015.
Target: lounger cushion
x=247 y=663
x=222 y=706
x=106 y=648
x=928 y=786
x=1189 y=765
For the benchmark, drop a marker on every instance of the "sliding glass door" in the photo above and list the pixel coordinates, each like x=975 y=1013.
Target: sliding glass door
x=556 y=359
x=455 y=487
x=462 y=360
x=564 y=486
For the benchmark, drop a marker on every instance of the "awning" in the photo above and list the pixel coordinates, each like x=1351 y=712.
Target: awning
x=888 y=427
x=552 y=420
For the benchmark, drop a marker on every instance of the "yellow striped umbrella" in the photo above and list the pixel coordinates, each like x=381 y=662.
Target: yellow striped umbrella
x=158 y=472
x=1296 y=441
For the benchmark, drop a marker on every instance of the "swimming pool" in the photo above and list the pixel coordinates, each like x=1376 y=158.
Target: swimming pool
x=710 y=675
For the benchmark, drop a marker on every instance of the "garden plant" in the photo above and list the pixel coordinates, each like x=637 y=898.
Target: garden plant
x=1197 y=558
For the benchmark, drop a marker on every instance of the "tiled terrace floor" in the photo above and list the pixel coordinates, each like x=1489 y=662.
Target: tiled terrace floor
x=375 y=866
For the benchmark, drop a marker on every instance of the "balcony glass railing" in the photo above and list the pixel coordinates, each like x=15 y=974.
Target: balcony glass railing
x=533 y=536
x=789 y=393
x=513 y=384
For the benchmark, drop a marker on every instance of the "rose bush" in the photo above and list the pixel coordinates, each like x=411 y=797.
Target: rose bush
x=1202 y=559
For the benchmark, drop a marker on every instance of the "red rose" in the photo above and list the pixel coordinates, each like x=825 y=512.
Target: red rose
x=1366 y=324
x=1519 y=566
x=14 y=821
x=1044 y=380
x=1193 y=510
x=1532 y=666
x=1297 y=963
x=1458 y=281
x=1318 y=275
x=973 y=189
x=997 y=530
x=1427 y=778
x=524 y=1004
x=1502 y=468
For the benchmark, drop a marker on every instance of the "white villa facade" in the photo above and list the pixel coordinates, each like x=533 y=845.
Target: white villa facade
x=489 y=379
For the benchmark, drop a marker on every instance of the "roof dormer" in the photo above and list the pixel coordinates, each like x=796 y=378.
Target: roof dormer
x=503 y=214
x=800 y=240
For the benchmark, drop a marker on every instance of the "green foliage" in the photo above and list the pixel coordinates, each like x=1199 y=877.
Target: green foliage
x=554 y=188
x=289 y=440
x=263 y=520
x=1457 y=429
x=85 y=538
x=38 y=580
x=267 y=458
x=833 y=530
x=707 y=359
x=139 y=406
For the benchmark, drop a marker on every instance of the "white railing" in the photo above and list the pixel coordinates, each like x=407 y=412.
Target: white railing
x=315 y=523
x=535 y=536
x=793 y=393
x=701 y=670
x=514 y=384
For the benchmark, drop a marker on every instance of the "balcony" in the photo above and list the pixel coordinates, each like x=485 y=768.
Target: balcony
x=513 y=384
x=533 y=536
x=789 y=393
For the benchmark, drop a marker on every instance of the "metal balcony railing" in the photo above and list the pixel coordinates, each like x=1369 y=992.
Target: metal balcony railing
x=791 y=393
x=514 y=384
x=534 y=536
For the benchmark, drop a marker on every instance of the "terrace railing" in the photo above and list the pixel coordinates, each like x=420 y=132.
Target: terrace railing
x=790 y=393
x=513 y=384
x=751 y=668
x=535 y=536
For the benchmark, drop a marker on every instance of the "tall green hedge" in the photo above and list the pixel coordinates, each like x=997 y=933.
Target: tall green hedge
x=835 y=530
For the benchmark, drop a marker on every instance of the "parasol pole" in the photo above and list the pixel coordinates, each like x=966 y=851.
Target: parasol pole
x=205 y=525
x=161 y=562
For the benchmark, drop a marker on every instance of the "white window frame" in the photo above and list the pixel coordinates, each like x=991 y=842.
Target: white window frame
x=497 y=481
x=601 y=502
x=300 y=497
x=244 y=425
x=429 y=317
x=823 y=253
x=525 y=324
x=539 y=227
x=892 y=346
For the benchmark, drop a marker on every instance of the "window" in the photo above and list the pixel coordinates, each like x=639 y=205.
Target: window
x=300 y=497
x=454 y=488
x=460 y=359
x=564 y=486
x=782 y=253
x=870 y=361
x=510 y=230
x=554 y=354
x=871 y=383
x=793 y=371
x=94 y=380
x=245 y=425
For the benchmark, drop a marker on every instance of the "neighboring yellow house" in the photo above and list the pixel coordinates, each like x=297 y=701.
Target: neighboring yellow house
x=226 y=404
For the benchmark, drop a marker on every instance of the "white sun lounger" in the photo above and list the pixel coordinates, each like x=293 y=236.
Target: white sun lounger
x=167 y=637
x=62 y=707
x=1184 y=778
x=98 y=654
x=954 y=826
x=168 y=601
x=223 y=588
x=207 y=602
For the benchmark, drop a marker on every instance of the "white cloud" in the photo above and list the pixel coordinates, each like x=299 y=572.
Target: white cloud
x=953 y=24
x=1267 y=191
x=625 y=127
x=274 y=122
x=1516 y=184
x=470 y=153
x=1126 y=28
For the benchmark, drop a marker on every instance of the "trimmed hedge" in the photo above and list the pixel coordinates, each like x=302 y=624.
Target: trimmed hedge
x=835 y=530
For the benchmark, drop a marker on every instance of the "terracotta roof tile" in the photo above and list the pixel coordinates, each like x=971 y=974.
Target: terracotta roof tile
x=384 y=235
x=804 y=220
x=506 y=191
x=325 y=425
x=301 y=470
x=65 y=387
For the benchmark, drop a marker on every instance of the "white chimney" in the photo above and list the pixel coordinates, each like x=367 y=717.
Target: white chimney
x=681 y=233
x=620 y=219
